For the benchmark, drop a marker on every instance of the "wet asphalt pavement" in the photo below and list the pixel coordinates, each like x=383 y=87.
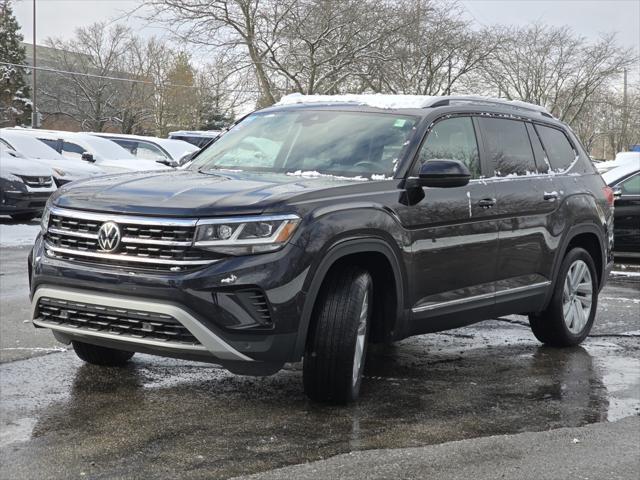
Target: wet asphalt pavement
x=163 y=418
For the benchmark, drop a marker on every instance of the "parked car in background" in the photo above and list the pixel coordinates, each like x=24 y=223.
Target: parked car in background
x=64 y=170
x=622 y=158
x=105 y=154
x=625 y=182
x=199 y=138
x=25 y=185
x=163 y=150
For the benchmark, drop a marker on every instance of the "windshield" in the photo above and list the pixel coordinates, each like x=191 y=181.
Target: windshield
x=104 y=149
x=351 y=144
x=31 y=147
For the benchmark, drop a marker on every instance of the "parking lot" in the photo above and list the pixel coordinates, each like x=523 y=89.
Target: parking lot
x=162 y=418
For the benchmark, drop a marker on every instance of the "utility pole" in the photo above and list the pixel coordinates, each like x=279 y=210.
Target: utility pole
x=34 y=109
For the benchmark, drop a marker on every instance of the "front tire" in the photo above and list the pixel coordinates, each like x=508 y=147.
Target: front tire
x=337 y=344
x=571 y=312
x=96 y=355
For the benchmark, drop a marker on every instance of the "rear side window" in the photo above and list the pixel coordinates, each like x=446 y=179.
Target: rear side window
x=508 y=146
x=559 y=151
x=631 y=186
x=452 y=139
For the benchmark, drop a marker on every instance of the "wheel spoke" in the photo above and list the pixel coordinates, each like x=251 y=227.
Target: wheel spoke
x=585 y=287
x=585 y=300
x=580 y=318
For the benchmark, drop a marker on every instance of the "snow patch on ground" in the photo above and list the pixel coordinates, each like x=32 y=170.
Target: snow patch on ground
x=13 y=235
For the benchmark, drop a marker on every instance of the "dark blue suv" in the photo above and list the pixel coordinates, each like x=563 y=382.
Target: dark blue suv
x=316 y=226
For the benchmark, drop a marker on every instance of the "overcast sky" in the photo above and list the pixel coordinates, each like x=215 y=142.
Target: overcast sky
x=586 y=17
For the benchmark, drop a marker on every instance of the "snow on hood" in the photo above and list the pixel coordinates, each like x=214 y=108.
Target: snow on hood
x=23 y=166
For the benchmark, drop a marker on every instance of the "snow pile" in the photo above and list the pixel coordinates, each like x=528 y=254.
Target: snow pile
x=12 y=235
x=373 y=100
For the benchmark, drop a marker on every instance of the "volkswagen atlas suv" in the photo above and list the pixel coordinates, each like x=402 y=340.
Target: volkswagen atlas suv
x=321 y=224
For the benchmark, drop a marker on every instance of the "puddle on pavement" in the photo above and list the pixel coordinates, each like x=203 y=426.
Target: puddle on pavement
x=161 y=416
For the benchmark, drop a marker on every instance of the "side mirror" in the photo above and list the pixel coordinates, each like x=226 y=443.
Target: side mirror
x=88 y=157
x=168 y=163
x=442 y=174
x=617 y=193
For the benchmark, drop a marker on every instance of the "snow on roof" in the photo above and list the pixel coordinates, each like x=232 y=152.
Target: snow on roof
x=373 y=100
x=402 y=101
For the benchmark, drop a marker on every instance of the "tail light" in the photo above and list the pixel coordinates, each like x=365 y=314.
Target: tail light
x=608 y=194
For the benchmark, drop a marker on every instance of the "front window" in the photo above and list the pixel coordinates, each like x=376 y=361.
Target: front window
x=352 y=144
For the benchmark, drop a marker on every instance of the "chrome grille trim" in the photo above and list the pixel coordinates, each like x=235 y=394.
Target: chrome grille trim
x=118 y=218
x=147 y=242
x=126 y=258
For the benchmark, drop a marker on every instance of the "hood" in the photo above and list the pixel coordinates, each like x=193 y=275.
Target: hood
x=130 y=165
x=190 y=193
x=76 y=168
x=23 y=166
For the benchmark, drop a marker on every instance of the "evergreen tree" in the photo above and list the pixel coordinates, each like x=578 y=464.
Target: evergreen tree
x=15 y=105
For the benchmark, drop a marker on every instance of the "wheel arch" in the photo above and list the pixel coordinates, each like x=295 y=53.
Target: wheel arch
x=357 y=250
x=585 y=236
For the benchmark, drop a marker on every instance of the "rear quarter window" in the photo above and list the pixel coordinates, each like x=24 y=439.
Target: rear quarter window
x=559 y=150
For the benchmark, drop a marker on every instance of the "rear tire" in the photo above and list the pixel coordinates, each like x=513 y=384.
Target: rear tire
x=96 y=355
x=337 y=344
x=571 y=312
x=24 y=217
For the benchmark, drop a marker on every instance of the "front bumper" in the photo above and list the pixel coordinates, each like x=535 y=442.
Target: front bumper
x=203 y=301
x=23 y=202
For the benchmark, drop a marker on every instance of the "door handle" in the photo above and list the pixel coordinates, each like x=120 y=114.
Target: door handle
x=487 y=202
x=551 y=196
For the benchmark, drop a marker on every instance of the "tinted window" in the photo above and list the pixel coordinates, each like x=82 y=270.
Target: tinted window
x=508 y=146
x=559 y=151
x=452 y=139
x=631 y=186
x=72 y=150
x=55 y=144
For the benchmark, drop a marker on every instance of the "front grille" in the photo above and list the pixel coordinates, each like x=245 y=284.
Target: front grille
x=146 y=243
x=117 y=321
x=37 y=182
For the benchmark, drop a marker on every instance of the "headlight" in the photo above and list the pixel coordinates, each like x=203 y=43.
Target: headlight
x=59 y=171
x=245 y=235
x=44 y=219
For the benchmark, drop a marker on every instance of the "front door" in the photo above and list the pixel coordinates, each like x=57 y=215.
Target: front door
x=626 y=224
x=453 y=232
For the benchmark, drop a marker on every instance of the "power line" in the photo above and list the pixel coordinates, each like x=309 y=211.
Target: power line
x=107 y=77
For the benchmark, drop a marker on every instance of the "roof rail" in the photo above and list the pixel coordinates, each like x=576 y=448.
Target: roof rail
x=515 y=104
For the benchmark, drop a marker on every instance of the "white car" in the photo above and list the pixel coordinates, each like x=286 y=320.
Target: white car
x=622 y=158
x=199 y=138
x=164 y=150
x=105 y=154
x=64 y=170
x=25 y=185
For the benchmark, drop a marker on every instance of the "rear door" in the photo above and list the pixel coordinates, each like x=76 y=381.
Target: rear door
x=453 y=232
x=526 y=201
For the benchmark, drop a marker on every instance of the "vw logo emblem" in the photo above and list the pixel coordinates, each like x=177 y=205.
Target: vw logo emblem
x=109 y=236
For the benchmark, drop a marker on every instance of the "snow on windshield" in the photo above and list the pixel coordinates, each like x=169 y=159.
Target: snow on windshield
x=105 y=149
x=30 y=147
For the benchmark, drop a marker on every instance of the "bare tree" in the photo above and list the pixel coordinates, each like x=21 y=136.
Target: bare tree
x=95 y=53
x=431 y=50
x=553 y=67
x=228 y=24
